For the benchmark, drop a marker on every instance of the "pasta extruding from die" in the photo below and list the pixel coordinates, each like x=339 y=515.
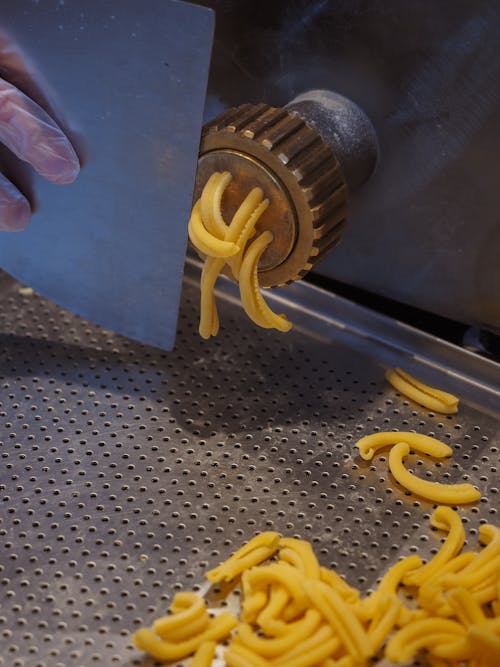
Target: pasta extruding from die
x=429 y=397
x=251 y=298
x=452 y=494
x=296 y=613
x=222 y=244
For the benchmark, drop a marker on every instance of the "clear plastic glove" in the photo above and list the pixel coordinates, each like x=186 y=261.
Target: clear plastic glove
x=27 y=129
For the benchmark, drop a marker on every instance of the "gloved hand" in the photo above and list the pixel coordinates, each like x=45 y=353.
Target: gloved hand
x=27 y=129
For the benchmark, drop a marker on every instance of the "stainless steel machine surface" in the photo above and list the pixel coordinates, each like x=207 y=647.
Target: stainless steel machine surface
x=427 y=75
x=126 y=472
x=132 y=78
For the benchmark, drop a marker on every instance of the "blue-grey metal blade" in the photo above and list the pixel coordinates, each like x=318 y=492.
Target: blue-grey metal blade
x=132 y=74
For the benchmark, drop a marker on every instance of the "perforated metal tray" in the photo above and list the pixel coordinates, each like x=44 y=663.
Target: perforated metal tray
x=125 y=473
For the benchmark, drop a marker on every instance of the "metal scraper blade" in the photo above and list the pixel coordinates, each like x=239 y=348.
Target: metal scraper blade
x=132 y=75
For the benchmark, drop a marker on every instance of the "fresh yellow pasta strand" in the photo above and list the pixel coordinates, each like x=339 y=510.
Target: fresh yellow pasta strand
x=323 y=634
x=426 y=633
x=473 y=578
x=448 y=399
x=274 y=627
x=406 y=616
x=446 y=519
x=430 y=592
x=293 y=610
x=370 y=444
x=252 y=605
x=280 y=573
x=194 y=610
x=308 y=562
x=210 y=203
x=209 y=319
x=268 y=618
x=379 y=628
x=465 y=607
x=389 y=584
x=486 y=594
x=335 y=581
x=341 y=618
x=204 y=655
x=148 y=641
x=429 y=397
x=485 y=642
x=238 y=655
x=269 y=648
x=251 y=298
x=189 y=629
x=311 y=656
x=268 y=539
x=205 y=242
x=185 y=600
x=452 y=494
x=234 y=569
x=243 y=237
x=240 y=219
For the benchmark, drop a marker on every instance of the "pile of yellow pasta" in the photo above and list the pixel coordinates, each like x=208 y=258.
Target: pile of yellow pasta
x=401 y=442
x=430 y=397
x=296 y=613
x=227 y=244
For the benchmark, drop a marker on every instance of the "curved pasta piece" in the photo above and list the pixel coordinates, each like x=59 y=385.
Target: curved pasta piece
x=466 y=607
x=388 y=586
x=242 y=226
x=446 y=519
x=452 y=494
x=426 y=633
x=252 y=604
x=341 y=618
x=251 y=298
x=210 y=203
x=383 y=621
x=430 y=593
x=272 y=647
x=301 y=554
x=268 y=618
x=370 y=444
x=205 y=242
x=280 y=573
x=239 y=231
x=209 y=318
x=335 y=581
x=429 y=397
x=323 y=634
x=204 y=655
x=309 y=653
x=268 y=540
x=148 y=641
x=238 y=655
x=192 y=609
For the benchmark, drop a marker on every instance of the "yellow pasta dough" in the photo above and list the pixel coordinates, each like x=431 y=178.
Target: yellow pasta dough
x=369 y=445
x=222 y=244
x=296 y=613
x=452 y=494
x=429 y=397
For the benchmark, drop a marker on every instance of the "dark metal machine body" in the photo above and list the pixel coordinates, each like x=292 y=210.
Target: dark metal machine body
x=425 y=229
